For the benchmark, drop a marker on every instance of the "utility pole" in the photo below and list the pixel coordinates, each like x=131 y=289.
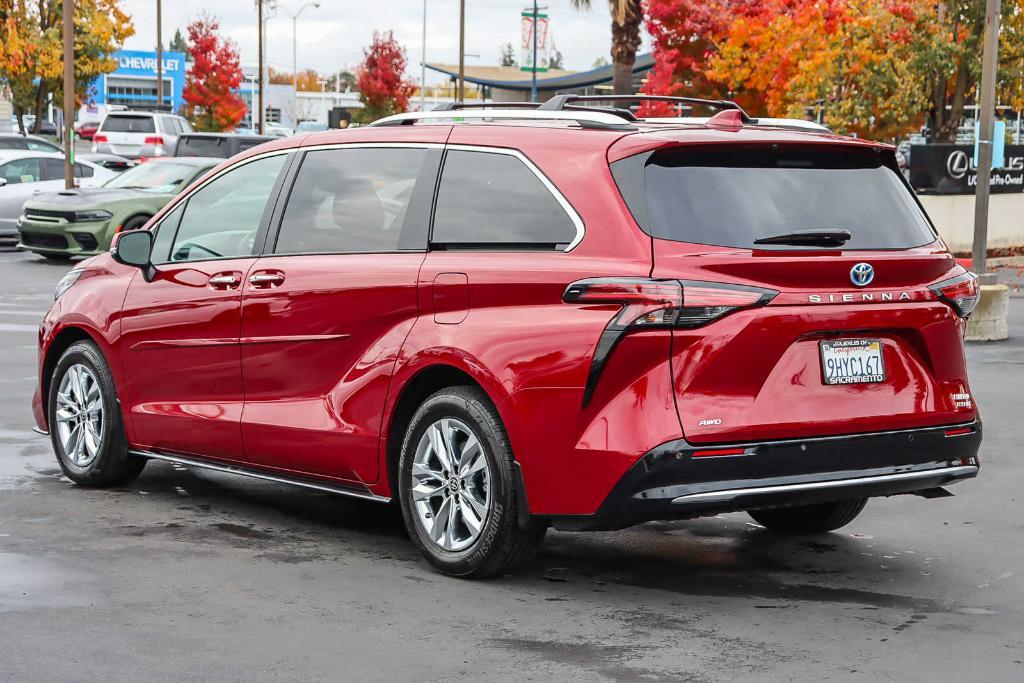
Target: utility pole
x=533 y=80
x=461 y=94
x=259 y=16
x=423 y=62
x=69 y=94
x=159 y=59
x=986 y=112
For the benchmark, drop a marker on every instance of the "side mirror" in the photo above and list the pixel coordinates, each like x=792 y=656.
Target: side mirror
x=133 y=248
x=3 y=181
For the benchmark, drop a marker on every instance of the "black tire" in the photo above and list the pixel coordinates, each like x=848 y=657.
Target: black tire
x=809 y=519
x=112 y=464
x=134 y=223
x=502 y=545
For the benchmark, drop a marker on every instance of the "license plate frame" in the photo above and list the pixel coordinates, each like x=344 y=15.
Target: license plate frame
x=865 y=356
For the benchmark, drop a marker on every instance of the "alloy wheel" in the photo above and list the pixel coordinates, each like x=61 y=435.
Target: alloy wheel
x=80 y=419
x=451 y=484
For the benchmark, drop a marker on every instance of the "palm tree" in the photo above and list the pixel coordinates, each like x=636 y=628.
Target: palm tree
x=626 y=18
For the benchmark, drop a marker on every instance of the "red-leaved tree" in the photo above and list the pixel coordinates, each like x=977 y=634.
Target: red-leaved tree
x=383 y=88
x=211 y=102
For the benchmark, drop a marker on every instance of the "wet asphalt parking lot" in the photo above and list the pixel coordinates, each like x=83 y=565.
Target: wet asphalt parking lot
x=196 y=575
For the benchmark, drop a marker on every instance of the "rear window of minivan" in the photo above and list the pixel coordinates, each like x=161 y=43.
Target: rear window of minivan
x=119 y=123
x=732 y=195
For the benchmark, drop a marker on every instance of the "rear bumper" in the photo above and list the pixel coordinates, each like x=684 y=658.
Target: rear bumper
x=678 y=480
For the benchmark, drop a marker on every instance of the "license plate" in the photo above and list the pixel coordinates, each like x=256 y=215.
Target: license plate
x=851 y=361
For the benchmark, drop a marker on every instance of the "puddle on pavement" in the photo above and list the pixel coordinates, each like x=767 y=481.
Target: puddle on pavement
x=33 y=583
x=30 y=460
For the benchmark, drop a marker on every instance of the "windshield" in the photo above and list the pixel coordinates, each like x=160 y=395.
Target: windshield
x=159 y=177
x=115 y=123
x=733 y=195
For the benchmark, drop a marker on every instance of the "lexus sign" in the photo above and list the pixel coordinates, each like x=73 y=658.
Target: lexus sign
x=950 y=169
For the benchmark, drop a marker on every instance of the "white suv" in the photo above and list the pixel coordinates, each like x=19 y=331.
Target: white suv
x=136 y=134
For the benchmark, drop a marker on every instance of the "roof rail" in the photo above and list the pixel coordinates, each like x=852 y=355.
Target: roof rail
x=561 y=102
x=453 y=106
x=582 y=116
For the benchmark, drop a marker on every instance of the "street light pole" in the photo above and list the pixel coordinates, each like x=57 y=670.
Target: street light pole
x=159 y=59
x=987 y=107
x=69 y=95
x=295 y=38
x=533 y=80
x=462 y=52
x=423 y=62
x=259 y=17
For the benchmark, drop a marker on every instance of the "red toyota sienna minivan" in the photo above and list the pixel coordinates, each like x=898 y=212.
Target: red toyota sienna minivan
x=510 y=319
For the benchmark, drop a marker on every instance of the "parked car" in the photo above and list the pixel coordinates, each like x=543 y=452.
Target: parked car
x=276 y=130
x=575 y=318
x=310 y=127
x=82 y=222
x=109 y=161
x=86 y=129
x=32 y=143
x=139 y=134
x=223 y=145
x=26 y=174
x=45 y=128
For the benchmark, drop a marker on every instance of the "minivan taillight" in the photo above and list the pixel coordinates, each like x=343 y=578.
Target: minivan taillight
x=647 y=303
x=961 y=292
x=666 y=303
x=99 y=137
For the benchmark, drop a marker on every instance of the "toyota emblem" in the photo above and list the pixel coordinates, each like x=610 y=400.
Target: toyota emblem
x=862 y=274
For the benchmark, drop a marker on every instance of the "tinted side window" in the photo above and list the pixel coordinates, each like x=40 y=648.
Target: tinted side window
x=40 y=146
x=222 y=218
x=83 y=171
x=13 y=143
x=491 y=199
x=21 y=171
x=165 y=235
x=350 y=200
x=53 y=169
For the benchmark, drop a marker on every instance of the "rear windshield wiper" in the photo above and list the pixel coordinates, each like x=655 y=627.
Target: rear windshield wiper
x=827 y=237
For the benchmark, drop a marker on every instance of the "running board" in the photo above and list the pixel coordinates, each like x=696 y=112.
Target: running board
x=253 y=474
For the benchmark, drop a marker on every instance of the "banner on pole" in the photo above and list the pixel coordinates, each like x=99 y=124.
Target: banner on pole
x=543 y=41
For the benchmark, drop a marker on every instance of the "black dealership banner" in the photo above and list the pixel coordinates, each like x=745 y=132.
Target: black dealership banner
x=949 y=169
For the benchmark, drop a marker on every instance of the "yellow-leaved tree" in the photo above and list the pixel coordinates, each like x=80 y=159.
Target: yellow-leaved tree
x=32 y=48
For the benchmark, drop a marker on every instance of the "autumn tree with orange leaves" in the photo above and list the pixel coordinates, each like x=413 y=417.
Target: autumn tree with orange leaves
x=383 y=89
x=877 y=68
x=211 y=102
x=32 y=49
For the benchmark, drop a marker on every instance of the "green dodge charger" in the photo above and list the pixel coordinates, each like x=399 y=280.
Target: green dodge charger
x=82 y=222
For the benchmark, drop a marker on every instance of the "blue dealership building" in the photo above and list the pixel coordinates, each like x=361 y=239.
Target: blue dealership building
x=134 y=83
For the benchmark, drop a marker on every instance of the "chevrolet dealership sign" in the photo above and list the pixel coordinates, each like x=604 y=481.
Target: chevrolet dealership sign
x=132 y=62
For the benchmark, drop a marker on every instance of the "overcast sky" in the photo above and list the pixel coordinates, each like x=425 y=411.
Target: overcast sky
x=334 y=35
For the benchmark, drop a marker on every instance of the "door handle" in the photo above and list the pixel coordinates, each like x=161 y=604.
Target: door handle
x=266 y=280
x=225 y=281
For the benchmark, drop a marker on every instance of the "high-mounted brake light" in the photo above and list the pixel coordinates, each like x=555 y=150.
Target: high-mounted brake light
x=961 y=292
x=647 y=303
